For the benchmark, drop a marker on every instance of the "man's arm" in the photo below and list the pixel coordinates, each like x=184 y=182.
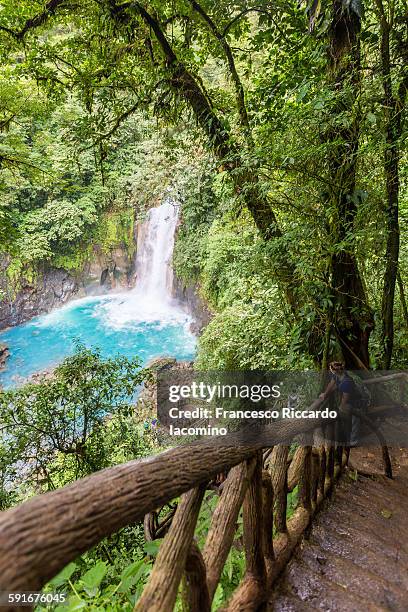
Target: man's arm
x=329 y=390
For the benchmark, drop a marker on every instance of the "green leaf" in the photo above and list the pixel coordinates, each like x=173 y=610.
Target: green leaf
x=74 y=603
x=303 y=91
x=94 y=576
x=64 y=575
x=152 y=548
x=128 y=582
x=132 y=569
x=372 y=118
x=218 y=597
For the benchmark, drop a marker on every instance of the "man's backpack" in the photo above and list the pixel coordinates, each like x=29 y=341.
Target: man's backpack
x=365 y=398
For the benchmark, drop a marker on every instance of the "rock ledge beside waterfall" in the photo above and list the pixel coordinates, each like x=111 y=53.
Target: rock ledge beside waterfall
x=54 y=287
x=4 y=355
x=193 y=303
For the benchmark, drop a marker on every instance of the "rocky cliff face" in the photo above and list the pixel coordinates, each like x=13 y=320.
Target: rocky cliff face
x=4 y=355
x=193 y=303
x=52 y=287
x=107 y=272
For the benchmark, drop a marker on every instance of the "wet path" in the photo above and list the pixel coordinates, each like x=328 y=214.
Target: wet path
x=356 y=555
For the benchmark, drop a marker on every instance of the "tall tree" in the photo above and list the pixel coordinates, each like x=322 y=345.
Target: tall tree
x=393 y=104
x=145 y=28
x=351 y=316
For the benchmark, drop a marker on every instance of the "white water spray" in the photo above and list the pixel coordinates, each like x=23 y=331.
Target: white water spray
x=146 y=321
x=151 y=299
x=155 y=244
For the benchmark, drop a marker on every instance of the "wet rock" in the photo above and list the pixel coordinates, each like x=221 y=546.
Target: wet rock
x=147 y=400
x=51 y=287
x=109 y=271
x=193 y=303
x=4 y=355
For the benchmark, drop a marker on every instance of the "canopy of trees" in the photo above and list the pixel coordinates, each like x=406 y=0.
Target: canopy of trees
x=280 y=127
x=283 y=126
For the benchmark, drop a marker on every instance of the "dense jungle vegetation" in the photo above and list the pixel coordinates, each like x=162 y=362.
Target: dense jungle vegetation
x=280 y=127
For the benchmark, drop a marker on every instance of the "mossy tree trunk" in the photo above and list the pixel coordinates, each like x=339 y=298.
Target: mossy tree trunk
x=393 y=106
x=353 y=321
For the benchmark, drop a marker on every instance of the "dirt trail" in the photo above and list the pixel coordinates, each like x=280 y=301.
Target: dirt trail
x=355 y=557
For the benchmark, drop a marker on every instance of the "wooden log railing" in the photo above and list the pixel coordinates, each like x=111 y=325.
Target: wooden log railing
x=41 y=536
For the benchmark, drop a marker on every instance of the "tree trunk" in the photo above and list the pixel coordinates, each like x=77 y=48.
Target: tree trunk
x=353 y=317
x=353 y=320
x=402 y=298
x=391 y=171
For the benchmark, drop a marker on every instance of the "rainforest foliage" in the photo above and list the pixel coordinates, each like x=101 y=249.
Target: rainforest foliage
x=279 y=127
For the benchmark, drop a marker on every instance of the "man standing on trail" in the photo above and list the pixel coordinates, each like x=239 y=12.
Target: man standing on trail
x=350 y=402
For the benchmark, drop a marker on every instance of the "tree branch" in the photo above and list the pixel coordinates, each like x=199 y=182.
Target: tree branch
x=117 y=124
x=239 y=90
x=168 y=52
x=35 y=21
x=182 y=80
x=242 y=14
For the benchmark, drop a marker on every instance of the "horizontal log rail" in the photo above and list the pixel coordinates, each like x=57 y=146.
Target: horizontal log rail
x=386 y=378
x=39 y=537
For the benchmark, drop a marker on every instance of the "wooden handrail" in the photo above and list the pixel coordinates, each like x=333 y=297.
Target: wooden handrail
x=386 y=378
x=39 y=537
x=42 y=535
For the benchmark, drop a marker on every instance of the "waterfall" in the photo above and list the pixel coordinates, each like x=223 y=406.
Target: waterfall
x=145 y=321
x=151 y=299
x=155 y=243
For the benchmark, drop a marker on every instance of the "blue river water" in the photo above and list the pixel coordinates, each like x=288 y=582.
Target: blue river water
x=114 y=323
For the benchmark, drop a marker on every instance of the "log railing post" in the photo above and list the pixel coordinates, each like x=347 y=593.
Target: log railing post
x=160 y=593
x=387 y=461
x=224 y=522
x=347 y=454
x=315 y=475
x=339 y=454
x=295 y=467
x=279 y=476
x=252 y=522
x=305 y=479
x=267 y=514
x=323 y=468
x=330 y=464
x=197 y=596
x=252 y=591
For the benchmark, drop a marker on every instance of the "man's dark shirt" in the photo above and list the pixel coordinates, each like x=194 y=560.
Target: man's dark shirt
x=347 y=385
